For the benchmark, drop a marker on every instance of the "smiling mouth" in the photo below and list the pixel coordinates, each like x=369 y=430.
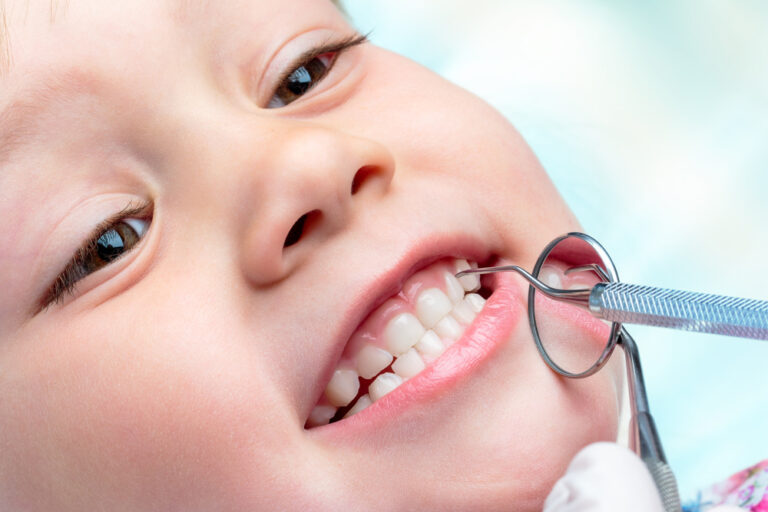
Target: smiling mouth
x=401 y=338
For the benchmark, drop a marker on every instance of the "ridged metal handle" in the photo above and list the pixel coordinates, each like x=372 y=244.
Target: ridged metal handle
x=690 y=311
x=666 y=484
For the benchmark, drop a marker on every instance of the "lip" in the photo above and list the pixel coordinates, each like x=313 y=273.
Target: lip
x=491 y=329
x=387 y=283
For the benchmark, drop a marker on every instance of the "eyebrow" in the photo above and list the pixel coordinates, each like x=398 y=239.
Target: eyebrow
x=19 y=118
x=181 y=10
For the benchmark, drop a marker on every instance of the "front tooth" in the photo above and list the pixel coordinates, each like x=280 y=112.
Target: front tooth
x=453 y=288
x=476 y=301
x=343 y=387
x=430 y=345
x=371 y=360
x=408 y=364
x=550 y=276
x=362 y=402
x=431 y=306
x=463 y=312
x=383 y=384
x=470 y=282
x=402 y=332
x=321 y=415
x=449 y=328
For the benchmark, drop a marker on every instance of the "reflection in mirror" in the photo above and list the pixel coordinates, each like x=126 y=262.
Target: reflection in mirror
x=571 y=337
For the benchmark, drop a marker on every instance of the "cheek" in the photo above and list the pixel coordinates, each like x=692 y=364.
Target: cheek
x=448 y=137
x=552 y=419
x=167 y=415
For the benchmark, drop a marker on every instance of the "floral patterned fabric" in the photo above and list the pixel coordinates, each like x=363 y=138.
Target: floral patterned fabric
x=747 y=489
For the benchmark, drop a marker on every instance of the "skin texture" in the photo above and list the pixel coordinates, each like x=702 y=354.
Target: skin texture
x=180 y=376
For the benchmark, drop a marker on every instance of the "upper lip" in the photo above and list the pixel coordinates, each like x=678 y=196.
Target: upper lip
x=386 y=282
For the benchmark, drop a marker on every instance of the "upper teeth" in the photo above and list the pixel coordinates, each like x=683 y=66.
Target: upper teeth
x=550 y=276
x=453 y=287
x=464 y=312
x=470 y=282
x=409 y=342
x=431 y=306
x=371 y=360
x=343 y=387
x=402 y=332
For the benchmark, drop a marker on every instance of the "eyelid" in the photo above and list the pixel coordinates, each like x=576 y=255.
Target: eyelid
x=56 y=290
x=333 y=42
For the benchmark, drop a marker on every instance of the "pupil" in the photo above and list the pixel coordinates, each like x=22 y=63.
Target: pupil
x=300 y=81
x=110 y=245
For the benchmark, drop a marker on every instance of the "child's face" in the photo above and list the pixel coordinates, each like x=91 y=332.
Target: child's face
x=181 y=376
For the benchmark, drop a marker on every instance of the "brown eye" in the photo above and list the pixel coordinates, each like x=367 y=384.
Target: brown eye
x=302 y=79
x=112 y=244
x=117 y=237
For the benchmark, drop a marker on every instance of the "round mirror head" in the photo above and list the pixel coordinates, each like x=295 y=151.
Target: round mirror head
x=572 y=341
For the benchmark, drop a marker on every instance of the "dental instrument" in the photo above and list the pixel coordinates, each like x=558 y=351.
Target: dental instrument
x=618 y=303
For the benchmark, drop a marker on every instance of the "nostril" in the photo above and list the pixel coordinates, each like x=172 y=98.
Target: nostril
x=296 y=231
x=301 y=227
x=362 y=175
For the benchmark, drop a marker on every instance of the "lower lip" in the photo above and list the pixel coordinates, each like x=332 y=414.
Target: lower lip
x=490 y=330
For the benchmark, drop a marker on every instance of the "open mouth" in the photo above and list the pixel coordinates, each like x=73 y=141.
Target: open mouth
x=401 y=338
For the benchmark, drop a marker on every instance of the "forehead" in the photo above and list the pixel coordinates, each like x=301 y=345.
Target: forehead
x=56 y=50
x=38 y=28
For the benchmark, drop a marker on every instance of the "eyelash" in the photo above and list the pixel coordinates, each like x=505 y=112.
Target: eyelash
x=307 y=57
x=75 y=271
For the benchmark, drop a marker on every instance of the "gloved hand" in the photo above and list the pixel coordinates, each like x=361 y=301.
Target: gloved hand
x=606 y=477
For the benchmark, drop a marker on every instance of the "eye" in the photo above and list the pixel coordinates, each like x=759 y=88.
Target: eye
x=301 y=80
x=310 y=69
x=111 y=239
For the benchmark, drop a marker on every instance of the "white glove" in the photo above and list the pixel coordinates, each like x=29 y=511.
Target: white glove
x=606 y=477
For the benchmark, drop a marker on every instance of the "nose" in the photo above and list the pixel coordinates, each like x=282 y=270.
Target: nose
x=315 y=179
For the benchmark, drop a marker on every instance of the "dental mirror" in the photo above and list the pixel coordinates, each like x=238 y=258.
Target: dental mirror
x=571 y=340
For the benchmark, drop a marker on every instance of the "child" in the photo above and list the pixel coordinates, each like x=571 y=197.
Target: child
x=228 y=234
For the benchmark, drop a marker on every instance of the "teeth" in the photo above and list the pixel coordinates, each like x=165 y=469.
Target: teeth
x=402 y=332
x=471 y=282
x=408 y=343
x=371 y=360
x=476 y=301
x=408 y=364
x=449 y=328
x=321 y=415
x=575 y=285
x=362 y=402
x=383 y=384
x=343 y=387
x=430 y=345
x=550 y=276
x=431 y=306
x=453 y=288
x=463 y=312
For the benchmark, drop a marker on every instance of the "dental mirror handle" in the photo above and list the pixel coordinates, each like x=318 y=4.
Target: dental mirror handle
x=660 y=307
x=690 y=311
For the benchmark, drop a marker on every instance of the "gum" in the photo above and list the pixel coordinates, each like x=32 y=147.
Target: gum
x=372 y=328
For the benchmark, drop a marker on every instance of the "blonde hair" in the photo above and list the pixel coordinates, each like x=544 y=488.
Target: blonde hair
x=5 y=47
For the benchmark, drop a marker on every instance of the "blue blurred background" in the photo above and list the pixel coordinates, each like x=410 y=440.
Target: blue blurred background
x=652 y=119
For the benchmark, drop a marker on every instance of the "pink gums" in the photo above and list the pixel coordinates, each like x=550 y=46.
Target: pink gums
x=370 y=331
